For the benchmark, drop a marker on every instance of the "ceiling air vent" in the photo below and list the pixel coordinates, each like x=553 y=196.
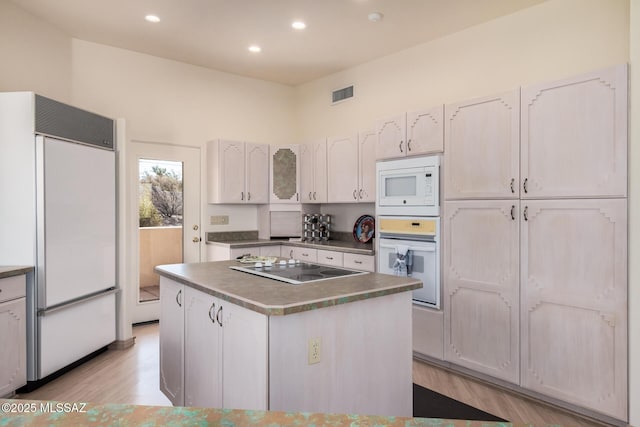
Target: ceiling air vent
x=343 y=94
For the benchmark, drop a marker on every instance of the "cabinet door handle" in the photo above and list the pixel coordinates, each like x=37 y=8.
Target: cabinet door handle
x=310 y=197
x=513 y=181
x=525 y=186
x=357 y=262
x=291 y=253
x=248 y=195
x=526 y=213
x=314 y=195
x=354 y=195
x=329 y=257
x=401 y=147
x=513 y=212
x=409 y=145
x=297 y=197
x=242 y=195
x=178 y=298
x=303 y=254
x=360 y=194
x=211 y=310
x=219 y=316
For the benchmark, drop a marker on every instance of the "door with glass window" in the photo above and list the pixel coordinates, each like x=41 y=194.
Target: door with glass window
x=165 y=199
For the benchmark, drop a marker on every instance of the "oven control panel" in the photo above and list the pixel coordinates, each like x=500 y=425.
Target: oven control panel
x=418 y=226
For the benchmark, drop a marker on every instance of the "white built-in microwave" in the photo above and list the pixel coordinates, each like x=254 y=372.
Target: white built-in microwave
x=408 y=186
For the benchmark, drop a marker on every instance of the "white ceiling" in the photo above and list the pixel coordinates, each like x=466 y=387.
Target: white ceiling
x=216 y=33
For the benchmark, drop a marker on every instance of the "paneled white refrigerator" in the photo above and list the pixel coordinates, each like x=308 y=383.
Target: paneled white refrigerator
x=58 y=213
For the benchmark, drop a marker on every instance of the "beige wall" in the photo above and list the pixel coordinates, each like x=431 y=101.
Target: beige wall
x=35 y=55
x=634 y=216
x=554 y=39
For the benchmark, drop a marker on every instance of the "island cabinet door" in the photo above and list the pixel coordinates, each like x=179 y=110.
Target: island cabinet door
x=172 y=340
x=244 y=358
x=203 y=352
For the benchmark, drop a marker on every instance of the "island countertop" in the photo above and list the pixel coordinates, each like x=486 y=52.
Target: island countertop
x=13 y=270
x=275 y=298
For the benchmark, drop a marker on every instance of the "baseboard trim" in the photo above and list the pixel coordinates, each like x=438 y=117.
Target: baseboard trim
x=521 y=392
x=122 y=344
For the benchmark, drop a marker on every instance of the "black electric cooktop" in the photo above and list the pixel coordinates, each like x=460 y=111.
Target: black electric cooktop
x=296 y=272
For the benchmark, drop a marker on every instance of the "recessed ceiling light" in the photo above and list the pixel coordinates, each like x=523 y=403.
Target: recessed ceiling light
x=298 y=25
x=152 y=18
x=255 y=48
x=375 y=17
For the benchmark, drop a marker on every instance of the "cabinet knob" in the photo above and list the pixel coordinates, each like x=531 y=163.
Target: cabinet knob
x=195 y=227
x=196 y=239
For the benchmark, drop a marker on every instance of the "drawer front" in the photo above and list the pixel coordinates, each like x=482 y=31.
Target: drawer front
x=306 y=254
x=330 y=258
x=360 y=262
x=13 y=287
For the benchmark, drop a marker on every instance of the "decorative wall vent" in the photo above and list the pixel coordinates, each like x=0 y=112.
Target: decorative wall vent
x=343 y=94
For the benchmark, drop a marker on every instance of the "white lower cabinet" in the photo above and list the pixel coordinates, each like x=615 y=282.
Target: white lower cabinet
x=574 y=302
x=359 y=262
x=330 y=257
x=202 y=350
x=13 y=335
x=428 y=331
x=172 y=340
x=481 y=285
x=211 y=350
x=305 y=254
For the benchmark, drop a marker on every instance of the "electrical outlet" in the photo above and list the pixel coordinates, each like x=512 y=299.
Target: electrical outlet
x=219 y=220
x=314 y=351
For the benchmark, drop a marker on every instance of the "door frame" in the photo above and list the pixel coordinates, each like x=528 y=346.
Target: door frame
x=137 y=149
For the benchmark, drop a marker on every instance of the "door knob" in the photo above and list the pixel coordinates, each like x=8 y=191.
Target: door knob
x=196 y=239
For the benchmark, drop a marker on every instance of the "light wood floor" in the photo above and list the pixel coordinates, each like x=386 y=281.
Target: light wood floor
x=131 y=376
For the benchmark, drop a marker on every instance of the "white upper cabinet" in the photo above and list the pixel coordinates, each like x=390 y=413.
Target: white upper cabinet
x=481 y=148
x=313 y=172
x=351 y=168
x=237 y=172
x=574 y=136
x=342 y=171
x=411 y=134
x=367 y=141
x=284 y=164
x=257 y=173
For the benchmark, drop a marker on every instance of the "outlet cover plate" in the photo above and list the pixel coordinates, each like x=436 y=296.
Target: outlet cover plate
x=314 y=351
x=219 y=220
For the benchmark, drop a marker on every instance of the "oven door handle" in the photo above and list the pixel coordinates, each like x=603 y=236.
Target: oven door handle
x=430 y=248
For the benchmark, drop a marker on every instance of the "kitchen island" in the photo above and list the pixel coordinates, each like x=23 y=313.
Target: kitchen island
x=229 y=339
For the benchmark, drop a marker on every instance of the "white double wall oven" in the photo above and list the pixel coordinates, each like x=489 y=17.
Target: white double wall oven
x=408 y=223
